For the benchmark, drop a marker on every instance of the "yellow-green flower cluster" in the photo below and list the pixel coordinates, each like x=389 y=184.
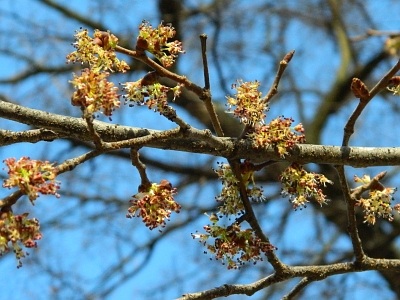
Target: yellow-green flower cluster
x=301 y=185
x=279 y=134
x=250 y=108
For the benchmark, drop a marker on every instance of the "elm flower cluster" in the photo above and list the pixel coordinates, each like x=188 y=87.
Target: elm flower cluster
x=379 y=202
x=98 y=52
x=32 y=177
x=233 y=245
x=155 y=40
x=154 y=96
x=301 y=185
x=18 y=230
x=155 y=204
x=94 y=92
x=279 y=134
x=230 y=196
x=250 y=108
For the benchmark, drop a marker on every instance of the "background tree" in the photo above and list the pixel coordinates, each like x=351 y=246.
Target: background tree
x=89 y=247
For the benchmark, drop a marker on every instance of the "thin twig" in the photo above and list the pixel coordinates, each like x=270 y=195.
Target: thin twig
x=382 y=84
x=141 y=167
x=297 y=288
x=351 y=216
x=203 y=39
x=206 y=96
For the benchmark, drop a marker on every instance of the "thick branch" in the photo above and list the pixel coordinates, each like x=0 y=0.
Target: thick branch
x=198 y=141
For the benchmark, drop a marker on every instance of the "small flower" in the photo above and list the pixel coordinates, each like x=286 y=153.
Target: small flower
x=18 y=230
x=98 y=52
x=232 y=245
x=279 y=134
x=301 y=185
x=155 y=40
x=95 y=92
x=31 y=177
x=155 y=205
x=250 y=108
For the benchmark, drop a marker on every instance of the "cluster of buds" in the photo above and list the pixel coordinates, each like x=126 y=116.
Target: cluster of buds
x=98 y=52
x=301 y=185
x=148 y=91
x=155 y=40
x=230 y=196
x=250 y=108
x=154 y=204
x=18 y=230
x=94 y=92
x=232 y=245
x=31 y=177
x=279 y=134
x=379 y=202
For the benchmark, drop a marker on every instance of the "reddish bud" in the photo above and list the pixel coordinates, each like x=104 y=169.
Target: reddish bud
x=359 y=89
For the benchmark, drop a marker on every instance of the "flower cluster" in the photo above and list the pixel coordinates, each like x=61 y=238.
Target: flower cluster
x=31 y=177
x=95 y=92
x=301 y=185
x=18 y=230
x=155 y=204
x=155 y=40
x=378 y=203
x=98 y=52
x=279 y=134
x=229 y=196
x=250 y=108
x=395 y=85
x=152 y=94
x=233 y=245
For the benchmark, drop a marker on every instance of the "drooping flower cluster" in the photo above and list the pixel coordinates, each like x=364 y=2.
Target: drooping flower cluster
x=155 y=204
x=150 y=93
x=233 y=245
x=229 y=196
x=98 y=52
x=155 y=40
x=94 y=92
x=250 y=109
x=18 y=230
x=301 y=185
x=279 y=134
x=32 y=177
x=378 y=205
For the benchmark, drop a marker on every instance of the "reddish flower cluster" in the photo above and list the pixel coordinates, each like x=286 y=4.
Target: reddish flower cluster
x=155 y=40
x=98 y=52
x=301 y=185
x=155 y=205
x=250 y=108
x=279 y=134
x=18 y=229
x=31 y=176
x=379 y=202
x=234 y=245
x=95 y=92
